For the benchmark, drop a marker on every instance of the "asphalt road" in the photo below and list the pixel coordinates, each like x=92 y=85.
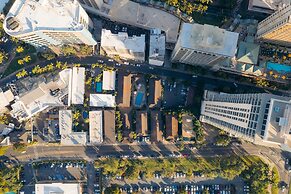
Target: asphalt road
x=90 y=153
x=146 y=69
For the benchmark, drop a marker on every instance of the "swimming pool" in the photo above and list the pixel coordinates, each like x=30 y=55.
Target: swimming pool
x=281 y=68
x=99 y=87
x=138 y=99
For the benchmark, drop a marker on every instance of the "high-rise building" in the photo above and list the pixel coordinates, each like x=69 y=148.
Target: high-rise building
x=49 y=22
x=204 y=44
x=266 y=6
x=276 y=28
x=258 y=117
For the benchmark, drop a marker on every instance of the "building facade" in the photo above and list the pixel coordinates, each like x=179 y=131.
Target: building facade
x=276 y=29
x=204 y=45
x=248 y=116
x=49 y=23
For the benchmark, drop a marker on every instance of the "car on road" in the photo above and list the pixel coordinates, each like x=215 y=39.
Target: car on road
x=126 y=63
x=111 y=60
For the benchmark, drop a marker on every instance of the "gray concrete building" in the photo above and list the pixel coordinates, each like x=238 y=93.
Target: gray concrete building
x=260 y=117
x=204 y=45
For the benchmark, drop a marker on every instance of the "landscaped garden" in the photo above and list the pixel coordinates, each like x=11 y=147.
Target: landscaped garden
x=252 y=169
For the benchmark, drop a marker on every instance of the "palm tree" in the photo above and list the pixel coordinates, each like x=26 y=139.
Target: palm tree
x=59 y=65
x=19 y=49
x=50 y=67
x=20 y=61
x=27 y=58
x=36 y=69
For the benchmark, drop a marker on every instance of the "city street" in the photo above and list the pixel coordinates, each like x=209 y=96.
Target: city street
x=147 y=69
x=89 y=153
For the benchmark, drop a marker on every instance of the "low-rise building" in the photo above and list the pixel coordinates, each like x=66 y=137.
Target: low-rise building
x=124 y=90
x=156 y=127
x=122 y=45
x=46 y=95
x=6 y=99
x=109 y=126
x=102 y=100
x=58 y=188
x=187 y=127
x=142 y=123
x=155 y=93
x=157 y=49
x=95 y=127
x=77 y=90
x=171 y=127
x=68 y=136
x=109 y=78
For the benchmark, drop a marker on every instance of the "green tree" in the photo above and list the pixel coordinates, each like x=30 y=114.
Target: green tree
x=19 y=49
x=114 y=189
x=86 y=50
x=21 y=74
x=20 y=61
x=27 y=58
x=4 y=119
x=68 y=50
x=76 y=115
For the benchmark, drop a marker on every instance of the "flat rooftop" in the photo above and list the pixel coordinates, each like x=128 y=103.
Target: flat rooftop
x=157 y=49
x=109 y=126
x=30 y=15
x=96 y=127
x=122 y=41
x=135 y=14
x=78 y=85
x=58 y=188
x=109 y=78
x=209 y=39
x=102 y=100
x=279 y=122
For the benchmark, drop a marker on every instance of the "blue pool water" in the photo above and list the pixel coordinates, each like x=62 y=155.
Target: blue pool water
x=85 y=115
x=138 y=99
x=99 y=87
x=279 y=67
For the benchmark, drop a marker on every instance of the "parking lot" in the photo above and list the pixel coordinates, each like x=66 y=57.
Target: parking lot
x=60 y=171
x=172 y=89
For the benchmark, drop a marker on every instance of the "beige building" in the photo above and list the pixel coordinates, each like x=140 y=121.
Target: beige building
x=276 y=28
x=122 y=45
x=49 y=22
x=204 y=45
x=259 y=117
x=135 y=14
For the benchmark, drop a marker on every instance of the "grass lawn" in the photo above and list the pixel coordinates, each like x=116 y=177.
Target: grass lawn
x=14 y=66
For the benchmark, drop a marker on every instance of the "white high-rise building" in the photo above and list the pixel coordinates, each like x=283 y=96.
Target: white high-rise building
x=204 y=44
x=261 y=118
x=49 y=22
x=276 y=28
